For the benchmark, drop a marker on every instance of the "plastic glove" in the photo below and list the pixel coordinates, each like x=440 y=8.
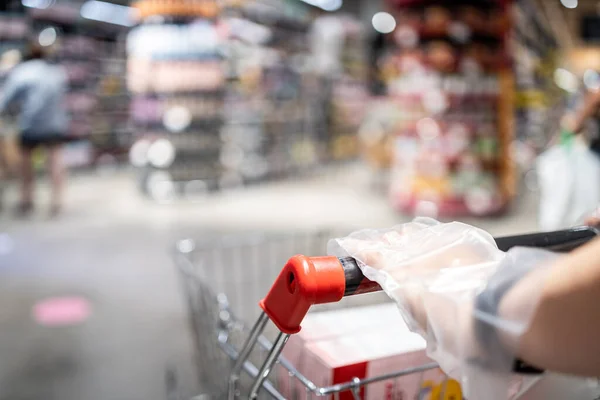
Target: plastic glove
x=434 y=272
x=593 y=219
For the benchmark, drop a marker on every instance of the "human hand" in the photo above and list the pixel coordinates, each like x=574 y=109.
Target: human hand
x=435 y=273
x=419 y=257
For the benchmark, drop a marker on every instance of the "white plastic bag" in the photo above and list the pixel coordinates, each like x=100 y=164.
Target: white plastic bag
x=569 y=180
x=435 y=273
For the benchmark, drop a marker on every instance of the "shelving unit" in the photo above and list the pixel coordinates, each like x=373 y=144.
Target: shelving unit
x=222 y=98
x=349 y=96
x=14 y=30
x=449 y=82
x=539 y=102
x=270 y=88
x=176 y=76
x=111 y=134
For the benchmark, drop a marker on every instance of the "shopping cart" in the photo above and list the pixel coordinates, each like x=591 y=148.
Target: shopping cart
x=236 y=359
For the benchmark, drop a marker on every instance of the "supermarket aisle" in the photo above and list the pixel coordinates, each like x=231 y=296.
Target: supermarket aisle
x=111 y=249
x=136 y=330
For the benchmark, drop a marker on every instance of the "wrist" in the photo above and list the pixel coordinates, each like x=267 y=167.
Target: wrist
x=505 y=309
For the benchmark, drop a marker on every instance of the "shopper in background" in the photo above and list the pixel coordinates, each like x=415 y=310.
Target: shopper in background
x=38 y=88
x=574 y=122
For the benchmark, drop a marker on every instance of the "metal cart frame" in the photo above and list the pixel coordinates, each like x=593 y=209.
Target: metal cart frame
x=217 y=330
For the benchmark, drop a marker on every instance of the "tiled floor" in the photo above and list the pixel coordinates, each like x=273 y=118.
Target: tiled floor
x=112 y=246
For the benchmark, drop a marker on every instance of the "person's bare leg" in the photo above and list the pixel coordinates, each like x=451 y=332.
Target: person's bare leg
x=57 y=177
x=27 y=179
x=3 y=171
x=3 y=162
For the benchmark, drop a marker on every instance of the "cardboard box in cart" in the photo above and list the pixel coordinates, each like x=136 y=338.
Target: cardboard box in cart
x=335 y=347
x=329 y=325
x=371 y=354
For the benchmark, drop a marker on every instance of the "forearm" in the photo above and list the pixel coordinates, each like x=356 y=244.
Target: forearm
x=578 y=118
x=563 y=335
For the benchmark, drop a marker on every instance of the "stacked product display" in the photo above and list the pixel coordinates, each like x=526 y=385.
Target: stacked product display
x=177 y=79
x=349 y=96
x=111 y=131
x=450 y=85
x=221 y=102
x=269 y=123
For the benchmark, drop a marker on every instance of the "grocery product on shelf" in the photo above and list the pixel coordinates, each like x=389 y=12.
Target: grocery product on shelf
x=447 y=72
x=176 y=76
x=185 y=9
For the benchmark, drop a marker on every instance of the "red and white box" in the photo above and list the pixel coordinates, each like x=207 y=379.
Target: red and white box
x=337 y=346
x=318 y=326
x=368 y=355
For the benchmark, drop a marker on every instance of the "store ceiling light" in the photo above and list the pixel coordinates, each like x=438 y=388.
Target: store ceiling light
x=566 y=80
x=331 y=5
x=383 y=22
x=47 y=37
x=43 y=4
x=107 y=12
x=569 y=3
x=327 y=5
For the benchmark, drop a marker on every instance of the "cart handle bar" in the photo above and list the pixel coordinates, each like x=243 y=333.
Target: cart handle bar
x=306 y=281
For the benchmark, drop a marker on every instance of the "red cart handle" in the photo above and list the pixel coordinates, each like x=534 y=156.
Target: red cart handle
x=303 y=282
x=306 y=281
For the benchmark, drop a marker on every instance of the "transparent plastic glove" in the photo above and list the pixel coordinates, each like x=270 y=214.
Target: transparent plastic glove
x=435 y=272
x=593 y=218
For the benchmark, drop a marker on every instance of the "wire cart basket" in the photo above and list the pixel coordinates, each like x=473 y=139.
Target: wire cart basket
x=238 y=346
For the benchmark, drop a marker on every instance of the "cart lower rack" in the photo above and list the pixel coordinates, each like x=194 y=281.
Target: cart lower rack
x=237 y=361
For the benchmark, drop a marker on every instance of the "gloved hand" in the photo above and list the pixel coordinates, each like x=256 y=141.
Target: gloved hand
x=593 y=219
x=438 y=274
